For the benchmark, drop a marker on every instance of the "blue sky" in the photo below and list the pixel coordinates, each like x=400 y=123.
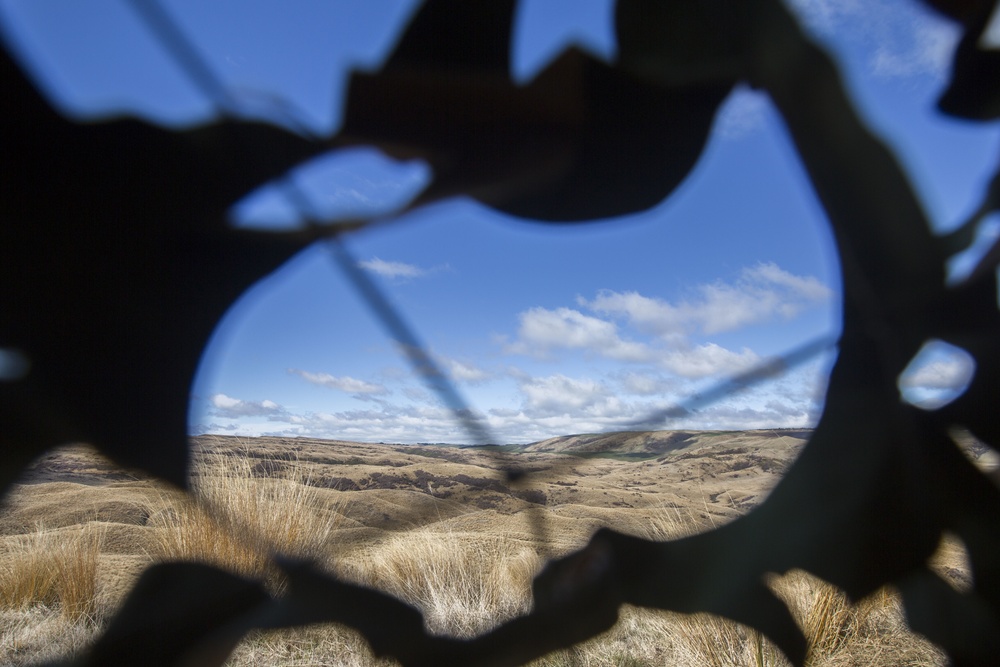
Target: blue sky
x=545 y=330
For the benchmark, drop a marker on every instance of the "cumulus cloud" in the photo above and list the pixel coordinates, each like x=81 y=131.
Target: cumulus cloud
x=670 y=359
x=708 y=360
x=345 y=383
x=463 y=371
x=388 y=269
x=644 y=384
x=232 y=408
x=546 y=406
x=388 y=423
x=560 y=394
x=542 y=330
x=761 y=293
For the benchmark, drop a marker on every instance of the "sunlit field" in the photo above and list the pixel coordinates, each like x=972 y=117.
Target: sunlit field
x=439 y=527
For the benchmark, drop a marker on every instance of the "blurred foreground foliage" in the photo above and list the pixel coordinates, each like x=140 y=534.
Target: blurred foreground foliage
x=116 y=264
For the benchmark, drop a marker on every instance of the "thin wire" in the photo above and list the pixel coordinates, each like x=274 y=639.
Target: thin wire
x=422 y=362
x=185 y=53
x=187 y=56
x=189 y=59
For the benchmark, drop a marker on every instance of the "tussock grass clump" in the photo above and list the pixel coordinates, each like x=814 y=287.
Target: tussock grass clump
x=242 y=517
x=56 y=569
x=465 y=583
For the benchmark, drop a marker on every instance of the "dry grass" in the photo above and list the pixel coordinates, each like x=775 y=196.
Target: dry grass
x=463 y=572
x=464 y=583
x=55 y=569
x=241 y=518
x=49 y=593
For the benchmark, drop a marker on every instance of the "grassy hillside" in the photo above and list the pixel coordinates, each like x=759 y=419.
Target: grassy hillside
x=442 y=527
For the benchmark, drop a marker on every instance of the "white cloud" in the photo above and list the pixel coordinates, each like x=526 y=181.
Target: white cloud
x=708 y=360
x=345 y=383
x=542 y=330
x=557 y=394
x=546 y=406
x=807 y=288
x=391 y=269
x=232 y=408
x=644 y=384
x=463 y=371
x=761 y=293
x=667 y=345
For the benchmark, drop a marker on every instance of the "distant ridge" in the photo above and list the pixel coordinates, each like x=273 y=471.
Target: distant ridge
x=656 y=443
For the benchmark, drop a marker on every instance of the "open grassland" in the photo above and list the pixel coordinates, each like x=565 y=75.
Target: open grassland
x=440 y=527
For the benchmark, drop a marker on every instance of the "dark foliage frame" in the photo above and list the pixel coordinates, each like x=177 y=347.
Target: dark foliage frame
x=115 y=265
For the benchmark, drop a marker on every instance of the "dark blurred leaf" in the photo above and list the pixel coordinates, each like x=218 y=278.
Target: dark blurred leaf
x=974 y=89
x=117 y=265
x=114 y=259
x=392 y=628
x=178 y=614
x=959 y=10
x=971 y=321
x=690 y=575
x=581 y=141
x=395 y=629
x=961 y=622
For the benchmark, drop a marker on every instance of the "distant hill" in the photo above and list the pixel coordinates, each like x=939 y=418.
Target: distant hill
x=650 y=444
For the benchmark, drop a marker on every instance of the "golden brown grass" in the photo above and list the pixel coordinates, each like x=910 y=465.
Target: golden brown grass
x=464 y=583
x=463 y=572
x=240 y=518
x=55 y=569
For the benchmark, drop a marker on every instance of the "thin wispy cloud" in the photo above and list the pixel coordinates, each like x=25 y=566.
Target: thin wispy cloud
x=545 y=405
x=762 y=293
x=644 y=384
x=654 y=353
x=232 y=408
x=462 y=371
x=344 y=383
x=388 y=269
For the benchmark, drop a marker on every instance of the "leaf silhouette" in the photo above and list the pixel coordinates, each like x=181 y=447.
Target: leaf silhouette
x=583 y=140
x=178 y=614
x=117 y=266
x=959 y=621
x=974 y=89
